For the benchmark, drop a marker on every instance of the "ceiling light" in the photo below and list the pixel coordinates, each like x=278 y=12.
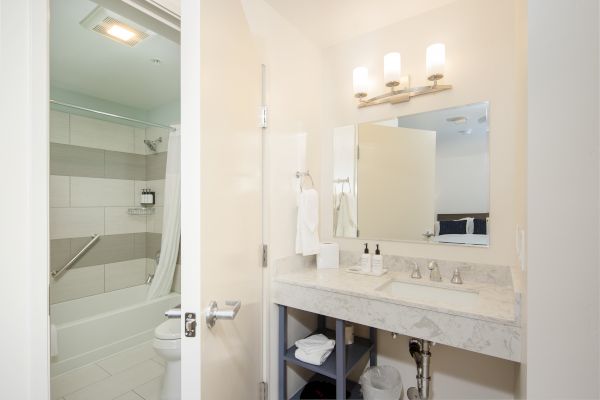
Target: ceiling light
x=457 y=120
x=114 y=27
x=120 y=33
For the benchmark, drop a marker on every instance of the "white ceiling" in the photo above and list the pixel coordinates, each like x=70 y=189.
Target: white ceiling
x=85 y=62
x=328 y=22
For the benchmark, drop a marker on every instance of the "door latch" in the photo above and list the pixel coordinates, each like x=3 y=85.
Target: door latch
x=190 y=324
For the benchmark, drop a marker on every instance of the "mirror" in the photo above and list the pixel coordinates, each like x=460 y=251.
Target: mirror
x=421 y=177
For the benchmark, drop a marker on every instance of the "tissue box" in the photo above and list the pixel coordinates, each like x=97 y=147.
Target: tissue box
x=329 y=256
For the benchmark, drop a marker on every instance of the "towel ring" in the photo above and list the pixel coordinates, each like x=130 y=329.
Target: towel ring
x=301 y=176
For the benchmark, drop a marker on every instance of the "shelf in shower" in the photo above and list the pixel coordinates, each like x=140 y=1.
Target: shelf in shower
x=141 y=211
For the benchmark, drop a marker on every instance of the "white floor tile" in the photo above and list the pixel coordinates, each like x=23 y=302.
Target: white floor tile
x=121 y=383
x=150 y=390
x=129 y=396
x=77 y=379
x=128 y=358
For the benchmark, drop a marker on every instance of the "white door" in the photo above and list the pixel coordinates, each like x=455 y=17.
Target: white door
x=221 y=200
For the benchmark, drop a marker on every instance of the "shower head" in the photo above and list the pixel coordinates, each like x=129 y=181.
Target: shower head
x=153 y=144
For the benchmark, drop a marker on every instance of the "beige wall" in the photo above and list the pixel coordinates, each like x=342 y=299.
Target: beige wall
x=396 y=178
x=562 y=201
x=293 y=85
x=480 y=38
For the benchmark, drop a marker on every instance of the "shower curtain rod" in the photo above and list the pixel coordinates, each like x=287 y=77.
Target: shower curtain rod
x=60 y=103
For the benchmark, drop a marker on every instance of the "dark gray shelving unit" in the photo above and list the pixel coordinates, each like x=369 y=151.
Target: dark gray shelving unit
x=339 y=364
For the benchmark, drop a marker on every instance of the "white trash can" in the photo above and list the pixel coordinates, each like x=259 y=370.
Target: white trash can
x=381 y=383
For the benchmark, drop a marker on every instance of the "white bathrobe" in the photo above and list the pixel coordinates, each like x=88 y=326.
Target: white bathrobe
x=307 y=232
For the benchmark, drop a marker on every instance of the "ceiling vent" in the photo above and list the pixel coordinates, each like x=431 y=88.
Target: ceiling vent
x=113 y=27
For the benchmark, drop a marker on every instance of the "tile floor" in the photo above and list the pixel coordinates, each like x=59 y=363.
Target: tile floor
x=134 y=374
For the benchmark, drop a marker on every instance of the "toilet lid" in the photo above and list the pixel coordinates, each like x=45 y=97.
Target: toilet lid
x=169 y=330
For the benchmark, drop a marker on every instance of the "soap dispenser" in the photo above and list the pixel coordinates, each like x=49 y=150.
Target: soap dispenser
x=365 y=260
x=377 y=262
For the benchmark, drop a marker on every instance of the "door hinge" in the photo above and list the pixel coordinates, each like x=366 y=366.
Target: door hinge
x=263 y=118
x=357 y=233
x=263 y=389
x=265 y=255
x=357 y=152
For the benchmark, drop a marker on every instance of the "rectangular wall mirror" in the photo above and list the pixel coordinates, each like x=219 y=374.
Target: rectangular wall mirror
x=421 y=177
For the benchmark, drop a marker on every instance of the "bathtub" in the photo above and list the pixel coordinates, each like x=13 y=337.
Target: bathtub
x=95 y=327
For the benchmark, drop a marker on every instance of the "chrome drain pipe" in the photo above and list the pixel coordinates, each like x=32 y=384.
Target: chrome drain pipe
x=420 y=350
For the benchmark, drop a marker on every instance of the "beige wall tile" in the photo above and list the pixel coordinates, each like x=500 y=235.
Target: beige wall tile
x=91 y=132
x=59 y=127
x=76 y=222
x=77 y=283
x=59 y=191
x=125 y=274
x=96 y=192
x=118 y=221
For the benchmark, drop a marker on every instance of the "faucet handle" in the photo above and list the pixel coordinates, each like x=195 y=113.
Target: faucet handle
x=456 y=278
x=416 y=272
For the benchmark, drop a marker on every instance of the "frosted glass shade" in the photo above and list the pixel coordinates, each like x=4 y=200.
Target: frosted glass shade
x=360 y=78
x=436 y=60
x=391 y=67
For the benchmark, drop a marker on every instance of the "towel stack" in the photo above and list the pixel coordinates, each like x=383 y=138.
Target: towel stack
x=314 y=349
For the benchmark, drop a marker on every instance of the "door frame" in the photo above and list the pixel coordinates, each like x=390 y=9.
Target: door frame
x=191 y=299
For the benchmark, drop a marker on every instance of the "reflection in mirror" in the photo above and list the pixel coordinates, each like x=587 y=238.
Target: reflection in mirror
x=422 y=177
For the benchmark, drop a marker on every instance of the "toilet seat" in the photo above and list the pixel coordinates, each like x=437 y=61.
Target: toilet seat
x=168 y=330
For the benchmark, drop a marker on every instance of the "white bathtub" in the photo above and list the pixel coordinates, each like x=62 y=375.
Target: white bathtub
x=94 y=327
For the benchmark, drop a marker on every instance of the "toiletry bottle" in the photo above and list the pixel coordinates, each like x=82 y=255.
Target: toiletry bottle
x=365 y=260
x=377 y=262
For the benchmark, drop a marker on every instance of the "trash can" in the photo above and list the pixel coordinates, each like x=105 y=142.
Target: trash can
x=381 y=383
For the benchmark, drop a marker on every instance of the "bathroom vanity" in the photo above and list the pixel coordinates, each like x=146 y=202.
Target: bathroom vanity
x=479 y=315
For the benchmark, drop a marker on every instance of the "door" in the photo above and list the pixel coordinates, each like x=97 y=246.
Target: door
x=396 y=177
x=221 y=200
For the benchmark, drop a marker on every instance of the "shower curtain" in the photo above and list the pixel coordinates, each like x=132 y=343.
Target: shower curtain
x=171 y=232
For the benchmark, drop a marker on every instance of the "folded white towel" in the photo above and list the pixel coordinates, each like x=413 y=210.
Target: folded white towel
x=315 y=343
x=314 y=358
x=53 y=341
x=307 y=232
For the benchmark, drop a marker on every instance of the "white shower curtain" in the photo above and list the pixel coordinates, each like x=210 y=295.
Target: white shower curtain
x=171 y=230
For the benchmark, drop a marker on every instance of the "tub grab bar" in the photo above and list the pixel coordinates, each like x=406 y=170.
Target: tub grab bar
x=58 y=274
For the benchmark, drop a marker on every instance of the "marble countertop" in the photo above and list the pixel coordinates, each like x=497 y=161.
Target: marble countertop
x=494 y=303
x=488 y=325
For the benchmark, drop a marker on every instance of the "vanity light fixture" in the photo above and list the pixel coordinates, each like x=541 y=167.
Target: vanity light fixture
x=400 y=90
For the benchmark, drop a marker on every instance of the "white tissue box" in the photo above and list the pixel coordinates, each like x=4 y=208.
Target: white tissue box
x=329 y=256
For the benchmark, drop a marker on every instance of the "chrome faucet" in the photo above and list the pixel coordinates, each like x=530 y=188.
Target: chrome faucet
x=416 y=272
x=456 y=278
x=435 y=274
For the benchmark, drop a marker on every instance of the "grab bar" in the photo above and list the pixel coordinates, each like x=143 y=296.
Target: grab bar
x=58 y=274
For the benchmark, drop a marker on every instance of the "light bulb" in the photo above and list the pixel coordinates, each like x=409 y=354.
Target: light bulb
x=392 y=69
x=436 y=60
x=360 y=78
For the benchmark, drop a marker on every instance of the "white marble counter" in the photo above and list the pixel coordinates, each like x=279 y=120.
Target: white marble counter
x=489 y=325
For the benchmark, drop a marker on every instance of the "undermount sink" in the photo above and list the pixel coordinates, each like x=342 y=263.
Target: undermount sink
x=424 y=293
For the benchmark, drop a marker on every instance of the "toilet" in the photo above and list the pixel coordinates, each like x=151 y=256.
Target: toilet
x=167 y=344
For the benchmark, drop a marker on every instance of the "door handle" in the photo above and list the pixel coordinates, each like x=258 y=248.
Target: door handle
x=213 y=313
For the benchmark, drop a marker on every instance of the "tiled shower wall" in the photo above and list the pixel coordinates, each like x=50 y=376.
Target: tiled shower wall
x=97 y=170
